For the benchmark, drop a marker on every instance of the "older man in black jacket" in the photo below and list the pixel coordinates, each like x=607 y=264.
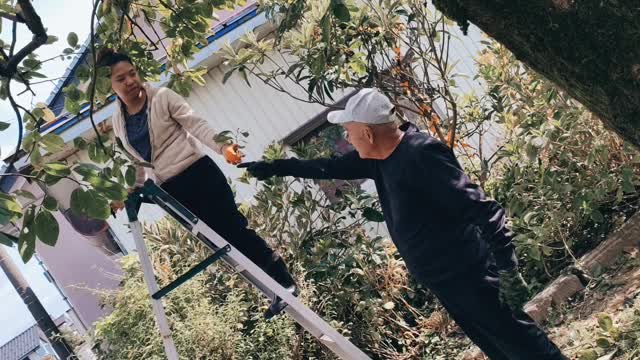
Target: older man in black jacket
x=452 y=237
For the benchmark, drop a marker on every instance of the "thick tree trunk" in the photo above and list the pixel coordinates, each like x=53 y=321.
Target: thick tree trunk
x=589 y=48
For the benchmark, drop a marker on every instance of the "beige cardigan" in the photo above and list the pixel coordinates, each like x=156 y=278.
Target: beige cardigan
x=172 y=127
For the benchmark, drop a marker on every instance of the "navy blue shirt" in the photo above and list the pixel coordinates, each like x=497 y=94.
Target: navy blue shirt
x=439 y=220
x=138 y=132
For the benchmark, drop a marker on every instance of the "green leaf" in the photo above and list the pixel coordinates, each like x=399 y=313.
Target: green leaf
x=36 y=158
x=529 y=216
x=130 y=176
x=603 y=342
x=4 y=125
x=243 y=74
x=107 y=188
x=223 y=137
x=98 y=207
x=9 y=205
x=31 y=63
x=25 y=194
x=534 y=253
x=27 y=243
x=5 y=240
x=597 y=216
x=589 y=354
x=47 y=228
x=27 y=238
x=87 y=170
x=52 y=143
x=80 y=143
x=372 y=214
x=90 y=203
x=341 y=11
x=72 y=39
x=605 y=322
x=96 y=153
x=325 y=24
x=72 y=92
x=51 y=39
x=83 y=73
x=59 y=169
x=51 y=180
x=77 y=201
x=50 y=203
x=103 y=85
x=38 y=113
x=73 y=107
x=10 y=209
x=35 y=74
x=227 y=75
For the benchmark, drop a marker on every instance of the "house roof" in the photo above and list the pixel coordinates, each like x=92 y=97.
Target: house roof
x=21 y=345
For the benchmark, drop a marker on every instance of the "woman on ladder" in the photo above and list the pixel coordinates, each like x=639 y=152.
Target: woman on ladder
x=156 y=125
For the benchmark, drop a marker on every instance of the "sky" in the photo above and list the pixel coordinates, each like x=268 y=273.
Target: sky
x=59 y=18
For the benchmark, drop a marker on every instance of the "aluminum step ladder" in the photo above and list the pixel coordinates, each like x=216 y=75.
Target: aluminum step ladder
x=309 y=320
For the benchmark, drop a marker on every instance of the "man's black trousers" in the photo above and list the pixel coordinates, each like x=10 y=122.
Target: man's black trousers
x=471 y=298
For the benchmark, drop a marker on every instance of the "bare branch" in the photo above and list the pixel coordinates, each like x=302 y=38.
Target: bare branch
x=14 y=36
x=134 y=23
x=34 y=23
x=47 y=80
x=153 y=28
x=15 y=107
x=34 y=177
x=94 y=73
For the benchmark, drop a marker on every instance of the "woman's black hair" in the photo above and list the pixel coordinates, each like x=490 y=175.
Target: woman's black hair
x=108 y=57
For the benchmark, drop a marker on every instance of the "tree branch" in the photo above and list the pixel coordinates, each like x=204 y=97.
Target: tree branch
x=142 y=31
x=153 y=28
x=34 y=23
x=15 y=106
x=14 y=37
x=94 y=74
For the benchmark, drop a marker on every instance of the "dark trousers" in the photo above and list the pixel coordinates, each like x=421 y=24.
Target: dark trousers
x=204 y=190
x=472 y=301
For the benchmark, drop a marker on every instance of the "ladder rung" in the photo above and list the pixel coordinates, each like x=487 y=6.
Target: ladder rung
x=191 y=273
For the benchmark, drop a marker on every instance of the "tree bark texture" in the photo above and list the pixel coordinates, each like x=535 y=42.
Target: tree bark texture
x=589 y=48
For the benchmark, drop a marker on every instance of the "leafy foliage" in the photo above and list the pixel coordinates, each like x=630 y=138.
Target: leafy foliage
x=130 y=26
x=565 y=179
x=213 y=316
x=323 y=48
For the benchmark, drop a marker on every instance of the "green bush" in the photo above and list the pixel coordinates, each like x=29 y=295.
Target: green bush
x=565 y=179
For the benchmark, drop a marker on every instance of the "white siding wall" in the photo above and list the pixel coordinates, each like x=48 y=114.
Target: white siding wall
x=269 y=116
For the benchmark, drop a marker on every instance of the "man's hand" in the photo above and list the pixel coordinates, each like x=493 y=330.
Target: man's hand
x=261 y=170
x=514 y=291
x=232 y=154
